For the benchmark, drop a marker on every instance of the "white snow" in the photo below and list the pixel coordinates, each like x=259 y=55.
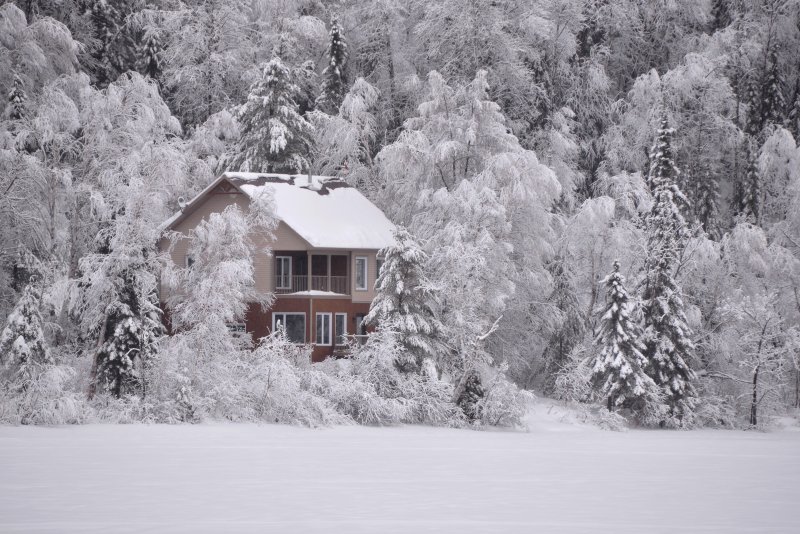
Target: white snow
x=560 y=477
x=316 y=293
x=342 y=219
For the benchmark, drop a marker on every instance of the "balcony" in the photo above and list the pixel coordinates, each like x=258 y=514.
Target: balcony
x=329 y=273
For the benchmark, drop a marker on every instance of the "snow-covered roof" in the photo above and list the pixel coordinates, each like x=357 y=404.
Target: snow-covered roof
x=325 y=211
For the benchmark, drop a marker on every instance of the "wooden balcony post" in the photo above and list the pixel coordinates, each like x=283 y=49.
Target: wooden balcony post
x=329 y=288
x=308 y=271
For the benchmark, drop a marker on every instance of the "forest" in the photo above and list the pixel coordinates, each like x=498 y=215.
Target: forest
x=597 y=201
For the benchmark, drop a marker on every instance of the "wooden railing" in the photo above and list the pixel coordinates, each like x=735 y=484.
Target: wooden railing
x=335 y=284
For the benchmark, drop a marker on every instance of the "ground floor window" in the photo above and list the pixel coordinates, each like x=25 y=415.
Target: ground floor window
x=323 y=336
x=293 y=323
x=361 y=327
x=341 y=328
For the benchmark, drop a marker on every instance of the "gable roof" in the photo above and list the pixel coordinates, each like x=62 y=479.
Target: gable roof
x=325 y=211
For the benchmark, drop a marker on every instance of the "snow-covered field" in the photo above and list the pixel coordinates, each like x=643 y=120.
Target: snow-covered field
x=558 y=477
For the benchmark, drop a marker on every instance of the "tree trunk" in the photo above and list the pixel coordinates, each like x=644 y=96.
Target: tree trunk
x=95 y=360
x=754 y=402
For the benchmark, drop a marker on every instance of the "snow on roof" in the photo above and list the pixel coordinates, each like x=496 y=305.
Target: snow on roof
x=325 y=211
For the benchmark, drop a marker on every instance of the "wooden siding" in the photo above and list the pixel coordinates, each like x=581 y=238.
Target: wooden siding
x=372 y=268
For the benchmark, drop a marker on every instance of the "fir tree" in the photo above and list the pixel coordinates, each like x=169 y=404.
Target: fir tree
x=667 y=335
x=403 y=302
x=22 y=343
x=17 y=100
x=708 y=205
x=618 y=373
x=720 y=14
x=334 y=78
x=275 y=137
x=751 y=187
x=773 y=103
x=150 y=56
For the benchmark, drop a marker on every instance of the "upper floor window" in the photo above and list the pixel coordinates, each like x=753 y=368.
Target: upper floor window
x=361 y=273
x=283 y=278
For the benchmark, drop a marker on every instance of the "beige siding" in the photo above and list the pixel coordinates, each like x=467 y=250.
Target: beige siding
x=369 y=294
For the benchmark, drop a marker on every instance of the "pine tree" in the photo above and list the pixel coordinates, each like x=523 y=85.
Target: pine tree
x=275 y=137
x=751 y=187
x=773 y=103
x=334 y=77
x=667 y=335
x=403 y=302
x=150 y=56
x=720 y=14
x=17 y=100
x=708 y=205
x=618 y=374
x=755 y=118
x=22 y=343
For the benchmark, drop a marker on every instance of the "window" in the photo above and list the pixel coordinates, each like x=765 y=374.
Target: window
x=361 y=273
x=293 y=323
x=360 y=325
x=189 y=261
x=341 y=328
x=323 y=336
x=283 y=273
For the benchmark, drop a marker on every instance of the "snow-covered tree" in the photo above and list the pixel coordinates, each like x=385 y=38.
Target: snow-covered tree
x=667 y=336
x=720 y=14
x=708 y=205
x=793 y=115
x=618 y=373
x=150 y=55
x=274 y=136
x=22 y=343
x=568 y=321
x=17 y=100
x=404 y=302
x=334 y=77
x=751 y=186
x=773 y=103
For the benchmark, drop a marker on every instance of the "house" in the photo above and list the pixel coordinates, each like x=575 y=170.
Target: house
x=324 y=262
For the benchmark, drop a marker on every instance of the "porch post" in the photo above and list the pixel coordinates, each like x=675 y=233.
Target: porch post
x=330 y=288
x=308 y=271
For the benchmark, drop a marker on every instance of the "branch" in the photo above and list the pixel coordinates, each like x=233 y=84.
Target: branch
x=491 y=331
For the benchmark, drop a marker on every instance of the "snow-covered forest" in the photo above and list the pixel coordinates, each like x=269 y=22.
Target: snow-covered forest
x=597 y=201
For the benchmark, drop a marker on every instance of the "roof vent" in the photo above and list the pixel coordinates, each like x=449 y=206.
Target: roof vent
x=182 y=202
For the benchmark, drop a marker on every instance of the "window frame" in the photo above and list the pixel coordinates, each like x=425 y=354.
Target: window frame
x=279 y=279
x=330 y=332
x=284 y=314
x=366 y=273
x=340 y=339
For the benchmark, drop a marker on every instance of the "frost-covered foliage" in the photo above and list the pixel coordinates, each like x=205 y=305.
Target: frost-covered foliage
x=618 y=374
x=274 y=136
x=334 y=76
x=22 y=344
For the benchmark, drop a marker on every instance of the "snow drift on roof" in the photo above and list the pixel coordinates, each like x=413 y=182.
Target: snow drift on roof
x=324 y=211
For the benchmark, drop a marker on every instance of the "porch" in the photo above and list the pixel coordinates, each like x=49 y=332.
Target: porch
x=328 y=272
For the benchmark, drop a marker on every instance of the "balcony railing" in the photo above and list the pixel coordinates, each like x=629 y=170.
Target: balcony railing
x=334 y=284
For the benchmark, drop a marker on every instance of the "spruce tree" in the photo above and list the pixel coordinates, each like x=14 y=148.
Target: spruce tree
x=334 y=78
x=751 y=186
x=150 y=56
x=618 y=373
x=569 y=325
x=708 y=205
x=275 y=137
x=720 y=14
x=773 y=103
x=403 y=302
x=667 y=335
x=22 y=343
x=17 y=100
x=755 y=119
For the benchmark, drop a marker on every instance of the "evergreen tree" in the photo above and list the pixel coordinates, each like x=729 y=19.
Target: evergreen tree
x=794 y=111
x=334 y=77
x=22 y=343
x=275 y=137
x=720 y=14
x=772 y=100
x=751 y=187
x=708 y=205
x=150 y=56
x=403 y=302
x=618 y=373
x=17 y=100
x=755 y=118
x=104 y=18
x=667 y=335
x=569 y=322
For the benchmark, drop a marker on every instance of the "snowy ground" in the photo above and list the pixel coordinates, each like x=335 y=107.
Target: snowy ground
x=559 y=477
